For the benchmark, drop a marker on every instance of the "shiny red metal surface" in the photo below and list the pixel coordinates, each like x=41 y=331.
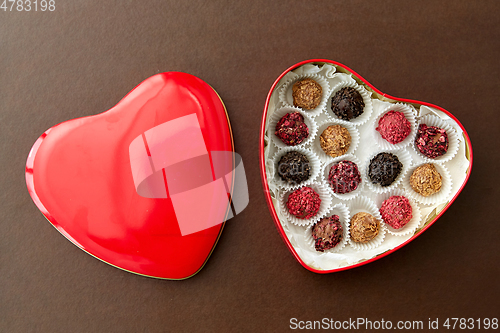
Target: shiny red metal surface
x=79 y=175
x=265 y=181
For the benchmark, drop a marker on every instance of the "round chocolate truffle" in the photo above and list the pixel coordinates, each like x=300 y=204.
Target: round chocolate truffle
x=344 y=177
x=396 y=211
x=431 y=141
x=335 y=140
x=364 y=227
x=426 y=180
x=384 y=169
x=347 y=103
x=294 y=168
x=306 y=94
x=303 y=203
x=291 y=129
x=394 y=127
x=327 y=233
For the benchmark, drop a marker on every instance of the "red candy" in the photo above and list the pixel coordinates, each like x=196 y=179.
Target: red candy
x=431 y=141
x=344 y=177
x=291 y=129
x=396 y=211
x=394 y=127
x=303 y=203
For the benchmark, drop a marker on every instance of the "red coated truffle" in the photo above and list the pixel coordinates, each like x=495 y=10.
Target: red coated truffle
x=291 y=129
x=303 y=203
x=344 y=177
x=394 y=127
x=431 y=141
x=396 y=211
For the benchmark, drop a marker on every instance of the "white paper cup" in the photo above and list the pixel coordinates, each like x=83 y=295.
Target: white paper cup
x=367 y=110
x=326 y=202
x=343 y=213
x=286 y=96
x=414 y=222
x=326 y=172
x=314 y=164
x=409 y=114
x=316 y=144
x=275 y=118
x=403 y=157
x=439 y=197
x=453 y=142
x=364 y=204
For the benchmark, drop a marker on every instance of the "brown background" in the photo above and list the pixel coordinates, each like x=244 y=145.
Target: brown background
x=85 y=56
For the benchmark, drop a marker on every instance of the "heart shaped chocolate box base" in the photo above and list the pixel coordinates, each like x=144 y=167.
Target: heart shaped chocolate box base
x=366 y=142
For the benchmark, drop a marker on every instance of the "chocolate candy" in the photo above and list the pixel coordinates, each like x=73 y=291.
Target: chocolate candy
x=384 y=169
x=426 y=180
x=347 y=103
x=291 y=129
x=294 y=168
x=344 y=177
x=307 y=94
x=303 y=203
x=394 y=127
x=364 y=227
x=335 y=140
x=327 y=233
x=431 y=141
x=396 y=211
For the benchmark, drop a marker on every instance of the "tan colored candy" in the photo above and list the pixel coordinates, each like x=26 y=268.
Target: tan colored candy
x=364 y=227
x=306 y=94
x=335 y=140
x=426 y=180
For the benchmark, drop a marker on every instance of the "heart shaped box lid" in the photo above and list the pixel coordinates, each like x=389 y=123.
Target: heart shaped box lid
x=102 y=182
x=350 y=256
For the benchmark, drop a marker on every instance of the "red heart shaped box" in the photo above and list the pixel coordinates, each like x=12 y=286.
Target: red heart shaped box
x=79 y=175
x=274 y=215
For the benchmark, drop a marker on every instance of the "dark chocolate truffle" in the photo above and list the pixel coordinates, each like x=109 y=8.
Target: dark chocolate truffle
x=364 y=227
x=344 y=177
x=394 y=127
x=291 y=129
x=426 y=180
x=396 y=211
x=303 y=203
x=384 y=169
x=431 y=141
x=347 y=103
x=335 y=140
x=306 y=94
x=294 y=168
x=327 y=233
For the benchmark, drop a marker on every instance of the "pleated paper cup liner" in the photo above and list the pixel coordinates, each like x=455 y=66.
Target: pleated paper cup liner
x=286 y=96
x=364 y=204
x=367 y=111
x=403 y=157
x=409 y=114
x=453 y=142
x=316 y=144
x=278 y=114
x=314 y=164
x=326 y=202
x=414 y=222
x=342 y=212
x=326 y=182
x=441 y=196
